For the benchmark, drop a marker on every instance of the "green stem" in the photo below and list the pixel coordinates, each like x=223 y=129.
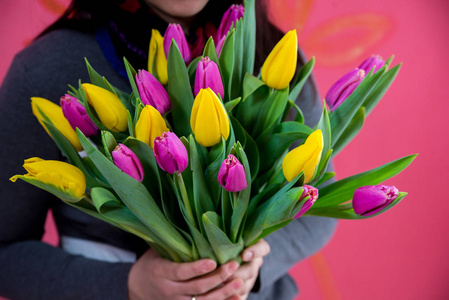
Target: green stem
x=185 y=198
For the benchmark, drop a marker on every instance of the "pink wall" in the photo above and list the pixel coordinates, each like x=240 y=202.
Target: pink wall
x=398 y=255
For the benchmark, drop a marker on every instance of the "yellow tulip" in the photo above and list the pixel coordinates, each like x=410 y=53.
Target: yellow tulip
x=45 y=110
x=304 y=158
x=157 y=62
x=280 y=65
x=109 y=108
x=209 y=120
x=67 y=179
x=150 y=125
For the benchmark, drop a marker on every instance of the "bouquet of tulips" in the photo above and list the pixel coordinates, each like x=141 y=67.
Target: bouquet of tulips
x=196 y=160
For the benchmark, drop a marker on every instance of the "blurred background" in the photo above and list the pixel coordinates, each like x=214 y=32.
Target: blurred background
x=401 y=254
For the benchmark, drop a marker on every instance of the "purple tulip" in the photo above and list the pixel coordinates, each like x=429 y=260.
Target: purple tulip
x=312 y=193
x=128 y=162
x=341 y=89
x=174 y=31
x=219 y=46
x=230 y=17
x=368 y=200
x=374 y=61
x=77 y=116
x=208 y=76
x=170 y=153
x=152 y=92
x=231 y=175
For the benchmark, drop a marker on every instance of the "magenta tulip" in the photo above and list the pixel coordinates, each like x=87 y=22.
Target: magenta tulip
x=341 y=89
x=368 y=200
x=170 y=153
x=374 y=61
x=128 y=162
x=77 y=116
x=208 y=76
x=175 y=32
x=152 y=92
x=230 y=18
x=312 y=193
x=231 y=175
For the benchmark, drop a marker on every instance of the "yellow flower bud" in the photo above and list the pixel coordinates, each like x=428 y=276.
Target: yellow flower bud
x=157 y=62
x=44 y=109
x=304 y=158
x=150 y=125
x=109 y=108
x=280 y=65
x=65 y=178
x=209 y=120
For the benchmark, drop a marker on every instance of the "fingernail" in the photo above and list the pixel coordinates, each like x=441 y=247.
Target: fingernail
x=209 y=266
x=248 y=255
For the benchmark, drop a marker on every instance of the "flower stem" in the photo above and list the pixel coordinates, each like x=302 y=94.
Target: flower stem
x=185 y=198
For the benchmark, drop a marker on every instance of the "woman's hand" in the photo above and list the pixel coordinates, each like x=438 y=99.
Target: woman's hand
x=154 y=278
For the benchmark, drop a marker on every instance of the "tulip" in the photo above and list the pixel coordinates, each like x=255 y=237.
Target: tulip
x=149 y=125
x=65 y=178
x=231 y=175
x=77 y=116
x=170 y=153
x=230 y=18
x=220 y=45
x=208 y=76
x=368 y=200
x=152 y=92
x=45 y=110
x=174 y=32
x=312 y=193
x=280 y=65
x=209 y=120
x=374 y=61
x=128 y=162
x=157 y=61
x=108 y=106
x=304 y=158
x=341 y=89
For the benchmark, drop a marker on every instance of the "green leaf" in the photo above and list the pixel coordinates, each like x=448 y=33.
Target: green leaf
x=179 y=91
x=224 y=249
x=249 y=36
x=324 y=125
x=238 y=71
x=351 y=131
x=271 y=112
x=322 y=167
x=227 y=64
x=109 y=143
x=217 y=156
x=301 y=79
x=299 y=117
x=231 y=104
x=131 y=77
x=250 y=84
x=326 y=177
x=95 y=78
x=343 y=190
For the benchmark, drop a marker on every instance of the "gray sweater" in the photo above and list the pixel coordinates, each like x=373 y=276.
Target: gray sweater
x=31 y=269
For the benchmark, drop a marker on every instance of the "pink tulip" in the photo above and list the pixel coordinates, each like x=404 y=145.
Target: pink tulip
x=344 y=87
x=77 y=116
x=230 y=17
x=175 y=32
x=231 y=175
x=208 y=76
x=152 y=92
x=374 y=61
x=128 y=162
x=170 y=153
x=312 y=193
x=368 y=200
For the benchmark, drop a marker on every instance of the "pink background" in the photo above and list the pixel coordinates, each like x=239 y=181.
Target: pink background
x=400 y=254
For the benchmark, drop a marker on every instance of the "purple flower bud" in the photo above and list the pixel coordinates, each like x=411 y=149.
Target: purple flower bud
x=77 y=116
x=219 y=46
x=128 y=162
x=312 y=193
x=170 y=153
x=231 y=175
x=152 y=92
x=344 y=87
x=230 y=17
x=374 y=61
x=208 y=76
x=174 y=31
x=368 y=200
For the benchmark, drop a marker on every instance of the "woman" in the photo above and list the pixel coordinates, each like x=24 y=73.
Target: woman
x=98 y=261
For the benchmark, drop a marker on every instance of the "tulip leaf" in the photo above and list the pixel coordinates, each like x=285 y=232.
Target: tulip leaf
x=131 y=77
x=342 y=116
x=95 y=78
x=226 y=60
x=214 y=162
x=389 y=61
x=299 y=117
x=223 y=248
x=322 y=167
x=380 y=89
x=124 y=98
x=191 y=70
x=109 y=143
x=343 y=190
x=251 y=148
x=248 y=111
x=250 y=84
x=351 y=131
x=324 y=126
x=231 y=104
x=211 y=52
x=249 y=36
x=326 y=177
x=238 y=72
x=138 y=200
x=301 y=79
x=179 y=91
x=272 y=111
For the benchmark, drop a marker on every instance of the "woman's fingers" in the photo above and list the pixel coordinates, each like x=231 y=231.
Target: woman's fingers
x=259 y=249
x=184 y=271
x=228 y=290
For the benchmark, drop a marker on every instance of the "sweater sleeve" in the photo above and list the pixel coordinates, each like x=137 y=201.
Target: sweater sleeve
x=30 y=268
